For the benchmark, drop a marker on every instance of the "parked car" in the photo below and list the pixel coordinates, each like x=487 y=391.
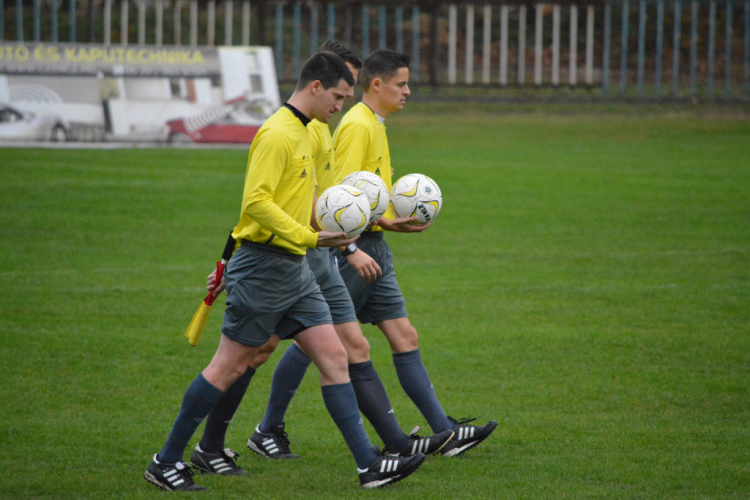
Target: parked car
x=235 y=121
x=21 y=125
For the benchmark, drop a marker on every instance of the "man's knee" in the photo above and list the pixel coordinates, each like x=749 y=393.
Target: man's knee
x=409 y=339
x=264 y=353
x=401 y=335
x=337 y=355
x=355 y=343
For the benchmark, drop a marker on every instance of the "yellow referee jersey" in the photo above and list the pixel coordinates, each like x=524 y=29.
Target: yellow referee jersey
x=360 y=143
x=321 y=145
x=279 y=184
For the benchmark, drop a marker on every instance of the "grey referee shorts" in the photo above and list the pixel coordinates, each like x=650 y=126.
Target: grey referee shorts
x=323 y=265
x=270 y=290
x=380 y=300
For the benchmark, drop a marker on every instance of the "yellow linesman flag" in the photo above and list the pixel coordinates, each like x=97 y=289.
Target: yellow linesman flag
x=195 y=329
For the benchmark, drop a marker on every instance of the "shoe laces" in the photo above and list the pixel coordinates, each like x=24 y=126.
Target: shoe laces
x=462 y=421
x=413 y=436
x=382 y=452
x=230 y=453
x=184 y=469
x=283 y=439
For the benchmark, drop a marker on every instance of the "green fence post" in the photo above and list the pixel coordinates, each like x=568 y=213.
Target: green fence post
x=711 y=47
x=400 y=29
x=676 y=48
x=55 y=7
x=383 y=28
x=37 y=22
x=641 y=44
x=693 y=47
x=297 y=40
x=72 y=16
x=279 y=40
x=606 y=46
x=365 y=30
x=624 y=46
x=314 y=28
x=728 y=51
x=659 y=46
x=19 y=20
x=746 y=63
x=331 y=21
x=415 y=44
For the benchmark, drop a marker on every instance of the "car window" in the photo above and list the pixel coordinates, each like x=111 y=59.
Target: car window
x=9 y=116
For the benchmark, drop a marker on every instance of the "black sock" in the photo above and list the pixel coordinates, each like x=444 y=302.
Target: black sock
x=220 y=417
x=375 y=406
x=416 y=383
x=200 y=397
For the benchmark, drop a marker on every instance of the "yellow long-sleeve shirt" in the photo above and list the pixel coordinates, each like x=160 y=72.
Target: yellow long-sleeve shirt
x=279 y=185
x=321 y=144
x=360 y=143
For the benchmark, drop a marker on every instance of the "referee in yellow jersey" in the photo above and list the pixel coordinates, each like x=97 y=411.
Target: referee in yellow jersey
x=270 y=438
x=271 y=291
x=360 y=143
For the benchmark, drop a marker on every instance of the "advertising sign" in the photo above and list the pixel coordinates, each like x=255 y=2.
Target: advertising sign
x=88 y=92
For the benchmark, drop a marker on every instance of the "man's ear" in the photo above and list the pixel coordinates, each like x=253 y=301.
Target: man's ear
x=316 y=86
x=376 y=84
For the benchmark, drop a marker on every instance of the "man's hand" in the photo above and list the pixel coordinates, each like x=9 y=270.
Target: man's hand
x=408 y=225
x=332 y=239
x=211 y=283
x=366 y=267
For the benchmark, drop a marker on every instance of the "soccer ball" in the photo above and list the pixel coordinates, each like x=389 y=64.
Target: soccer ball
x=375 y=189
x=343 y=208
x=416 y=195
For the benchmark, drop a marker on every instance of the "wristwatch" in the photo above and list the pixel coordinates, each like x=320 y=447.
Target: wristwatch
x=349 y=250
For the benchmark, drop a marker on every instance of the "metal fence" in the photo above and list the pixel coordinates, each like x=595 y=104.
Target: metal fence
x=640 y=48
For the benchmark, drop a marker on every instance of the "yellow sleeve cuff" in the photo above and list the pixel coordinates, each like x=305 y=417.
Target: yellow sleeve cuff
x=310 y=239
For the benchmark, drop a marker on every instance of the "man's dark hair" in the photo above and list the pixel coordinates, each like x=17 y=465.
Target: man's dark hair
x=382 y=64
x=343 y=52
x=327 y=67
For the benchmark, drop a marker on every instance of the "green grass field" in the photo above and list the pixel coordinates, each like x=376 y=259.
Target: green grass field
x=586 y=285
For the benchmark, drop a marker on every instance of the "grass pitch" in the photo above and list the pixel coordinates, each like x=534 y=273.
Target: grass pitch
x=586 y=285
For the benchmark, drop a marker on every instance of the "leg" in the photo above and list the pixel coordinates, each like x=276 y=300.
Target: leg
x=356 y=345
x=412 y=373
x=287 y=378
x=269 y=438
x=416 y=383
x=265 y=352
x=229 y=363
x=325 y=349
x=371 y=396
x=220 y=417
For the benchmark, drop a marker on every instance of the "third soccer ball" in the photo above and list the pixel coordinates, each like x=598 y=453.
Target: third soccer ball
x=343 y=208
x=416 y=195
x=375 y=189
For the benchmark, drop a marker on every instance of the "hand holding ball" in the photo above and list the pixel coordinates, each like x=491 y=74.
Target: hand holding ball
x=416 y=195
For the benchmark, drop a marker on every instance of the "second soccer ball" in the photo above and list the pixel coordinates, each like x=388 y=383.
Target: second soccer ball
x=375 y=189
x=343 y=208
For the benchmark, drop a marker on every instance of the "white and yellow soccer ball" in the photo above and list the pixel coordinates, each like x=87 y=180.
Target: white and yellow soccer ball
x=375 y=189
x=416 y=195
x=343 y=208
